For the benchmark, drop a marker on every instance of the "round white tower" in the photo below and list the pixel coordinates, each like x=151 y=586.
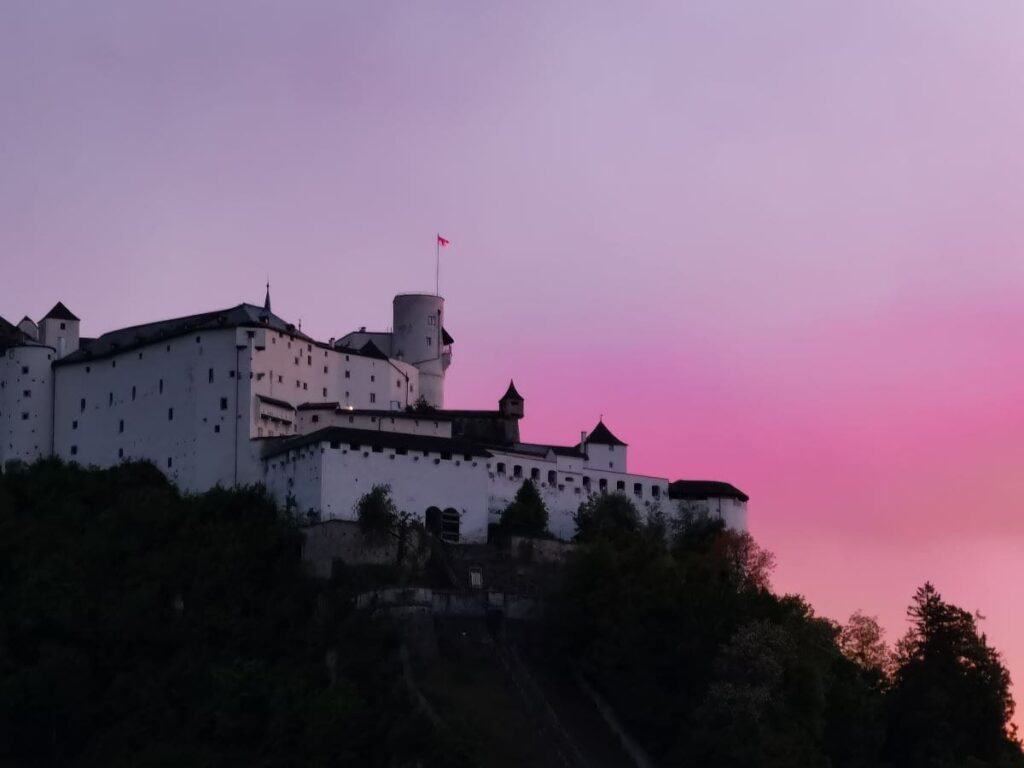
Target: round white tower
x=420 y=340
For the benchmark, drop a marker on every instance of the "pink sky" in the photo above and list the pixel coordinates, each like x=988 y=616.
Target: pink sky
x=778 y=244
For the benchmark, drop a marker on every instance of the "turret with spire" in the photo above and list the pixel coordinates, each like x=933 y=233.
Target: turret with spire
x=265 y=315
x=512 y=403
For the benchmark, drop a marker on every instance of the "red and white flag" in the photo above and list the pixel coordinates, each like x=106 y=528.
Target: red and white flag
x=442 y=242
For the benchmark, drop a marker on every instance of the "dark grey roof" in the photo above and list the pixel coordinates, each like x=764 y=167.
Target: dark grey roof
x=601 y=435
x=369 y=349
x=704 y=489
x=541 y=449
x=275 y=401
x=59 y=312
x=446 y=337
x=243 y=315
x=372 y=438
x=511 y=393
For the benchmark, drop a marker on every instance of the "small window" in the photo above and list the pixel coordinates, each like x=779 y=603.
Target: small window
x=170 y=461
x=348 y=374
x=161 y=386
x=27 y=393
x=198 y=338
x=231 y=375
x=24 y=416
x=81 y=405
x=170 y=414
x=120 y=453
x=223 y=403
x=110 y=399
x=280 y=379
x=74 y=450
x=216 y=429
x=305 y=385
x=315 y=418
x=602 y=483
x=372 y=377
x=309 y=359
x=120 y=426
x=209 y=376
x=431 y=320
x=373 y=397
x=63 y=326
x=24 y=369
x=535 y=474
x=620 y=485
x=501 y=468
x=552 y=477
x=325 y=369
x=638 y=489
x=586 y=481
x=430 y=342
x=325 y=392
x=133 y=393
x=655 y=491
x=517 y=470
x=113 y=363
x=74 y=424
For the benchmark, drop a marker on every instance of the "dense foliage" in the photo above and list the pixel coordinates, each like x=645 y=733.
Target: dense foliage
x=527 y=515
x=140 y=627
x=674 y=621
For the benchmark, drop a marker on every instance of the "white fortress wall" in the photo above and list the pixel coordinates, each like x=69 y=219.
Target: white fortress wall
x=26 y=402
x=172 y=403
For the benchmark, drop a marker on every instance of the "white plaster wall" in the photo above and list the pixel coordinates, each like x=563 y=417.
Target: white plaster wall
x=732 y=511
x=570 y=488
x=611 y=457
x=417 y=482
x=417 y=339
x=63 y=340
x=299 y=371
x=186 y=426
x=26 y=419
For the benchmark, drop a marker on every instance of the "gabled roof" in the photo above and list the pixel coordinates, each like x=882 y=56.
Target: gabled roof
x=601 y=435
x=704 y=489
x=369 y=349
x=243 y=315
x=446 y=338
x=511 y=393
x=59 y=312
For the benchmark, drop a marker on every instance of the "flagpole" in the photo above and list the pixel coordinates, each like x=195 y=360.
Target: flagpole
x=437 y=265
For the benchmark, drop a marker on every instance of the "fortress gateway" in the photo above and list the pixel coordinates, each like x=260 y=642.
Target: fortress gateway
x=241 y=396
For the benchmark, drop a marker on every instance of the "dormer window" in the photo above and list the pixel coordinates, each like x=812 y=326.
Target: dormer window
x=63 y=326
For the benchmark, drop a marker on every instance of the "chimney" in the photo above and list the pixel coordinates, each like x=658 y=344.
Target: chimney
x=583 y=441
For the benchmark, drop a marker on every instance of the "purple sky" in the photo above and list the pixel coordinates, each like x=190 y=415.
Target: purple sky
x=774 y=243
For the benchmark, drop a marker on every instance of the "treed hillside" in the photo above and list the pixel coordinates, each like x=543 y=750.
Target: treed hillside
x=140 y=627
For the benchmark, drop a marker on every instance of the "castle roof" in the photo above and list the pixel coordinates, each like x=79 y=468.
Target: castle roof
x=446 y=337
x=124 y=339
x=704 y=489
x=59 y=312
x=601 y=435
x=511 y=393
x=369 y=349
x=374 y=439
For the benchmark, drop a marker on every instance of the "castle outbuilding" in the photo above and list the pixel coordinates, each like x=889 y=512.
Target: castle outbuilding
x=240 y=395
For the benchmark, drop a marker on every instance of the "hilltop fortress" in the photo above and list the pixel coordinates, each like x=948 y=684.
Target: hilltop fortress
x=241 y=396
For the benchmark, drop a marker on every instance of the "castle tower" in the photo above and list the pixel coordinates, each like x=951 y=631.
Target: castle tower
x=512 y=403
x=419 y=339
x=59 y=329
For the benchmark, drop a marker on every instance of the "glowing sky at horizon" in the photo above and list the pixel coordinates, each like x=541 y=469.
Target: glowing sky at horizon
x=777 y=244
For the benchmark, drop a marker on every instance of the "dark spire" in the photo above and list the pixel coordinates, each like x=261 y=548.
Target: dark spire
x=511 y=393
x=266 y=301
x=59 y=312
x=601 y=435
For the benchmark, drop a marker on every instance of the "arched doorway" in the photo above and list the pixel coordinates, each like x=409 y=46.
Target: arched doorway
x=450 y=524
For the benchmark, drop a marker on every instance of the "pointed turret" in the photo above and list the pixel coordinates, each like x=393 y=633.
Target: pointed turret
x=511 y=403
x=59 y=329
x=266 y=300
